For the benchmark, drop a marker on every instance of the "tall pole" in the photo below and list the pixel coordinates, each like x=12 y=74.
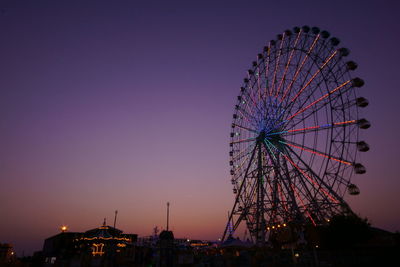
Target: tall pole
x=115 y=218
x=167 y=216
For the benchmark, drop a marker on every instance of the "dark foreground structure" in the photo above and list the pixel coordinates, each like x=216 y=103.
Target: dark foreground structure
x=102 y=246
x=347 y=241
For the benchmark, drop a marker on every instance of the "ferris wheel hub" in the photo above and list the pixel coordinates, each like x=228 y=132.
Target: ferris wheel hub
x=261 y=137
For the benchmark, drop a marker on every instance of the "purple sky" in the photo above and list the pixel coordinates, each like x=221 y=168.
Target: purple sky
x=126 y=105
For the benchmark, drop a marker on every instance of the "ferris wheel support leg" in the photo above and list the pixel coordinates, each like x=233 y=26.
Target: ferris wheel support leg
x=237 y=199
x=260 y=219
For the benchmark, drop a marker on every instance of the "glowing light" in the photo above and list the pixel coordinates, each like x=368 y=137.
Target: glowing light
x=302 y=203
x=288 y=63
x=97 y=249
x=64 y=228
x=108 y=238
x=314 y=127
x=277 y=64
x=319 y=99
x=308 y=128
x=313 y=77
x=297 y=255
x=284 y=225
x=300 y=67
x=267 y=68
x=344 y=122
x=310 y=179
x=317 y=153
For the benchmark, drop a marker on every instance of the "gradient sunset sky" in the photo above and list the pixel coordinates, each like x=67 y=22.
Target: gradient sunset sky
x=125 y=105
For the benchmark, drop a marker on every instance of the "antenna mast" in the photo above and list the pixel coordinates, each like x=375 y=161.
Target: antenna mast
x=115 y=218
x=167 y=216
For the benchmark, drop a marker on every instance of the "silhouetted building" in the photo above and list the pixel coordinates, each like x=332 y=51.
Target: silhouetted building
x=166 y=248
x=6 y=253
x=94 y=247
x=61 y=247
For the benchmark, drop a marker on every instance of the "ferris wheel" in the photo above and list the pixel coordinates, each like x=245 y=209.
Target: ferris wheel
x=295 y=134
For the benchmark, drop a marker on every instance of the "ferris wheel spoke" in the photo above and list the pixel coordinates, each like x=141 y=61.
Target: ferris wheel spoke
x=300 y=67
x=315 y=152
x=267 y=70
x=331 y=74
x=278 y=114
x=239 y=166
x=241 y=159
x=307 y=194
x=260 y=98
x=249 y=95
x=288 y=62
x=314 y=111
x=335 y=198
x=277 y=169
x=311 y=129
x=318 y=186
x=318 y=77
x=304 y=206
x=243 y=141
x=302 y=102
x=245 y=128
x=269 y=146
x=324 y=126
x=243 y=153
x=255 y=106
x=260 y=87
x=277 y=64
x=314 y=75
x=313 y=182
x=248 y=162
x=246 y=116
x=319 y=99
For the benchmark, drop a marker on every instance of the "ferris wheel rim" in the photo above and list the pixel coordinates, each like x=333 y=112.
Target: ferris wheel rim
x=264 y=128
